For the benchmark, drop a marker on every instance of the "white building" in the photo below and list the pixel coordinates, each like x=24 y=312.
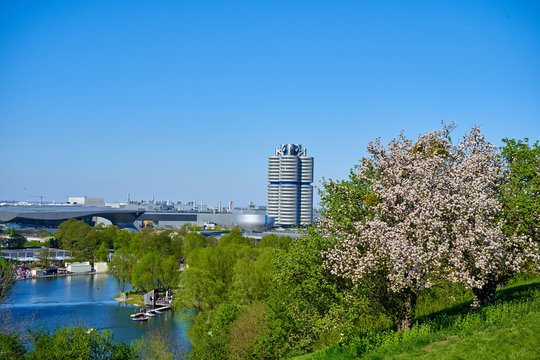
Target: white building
x=86 y=201
x=290 y=193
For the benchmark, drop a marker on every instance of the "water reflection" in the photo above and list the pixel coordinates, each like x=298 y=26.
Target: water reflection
x=85 y=300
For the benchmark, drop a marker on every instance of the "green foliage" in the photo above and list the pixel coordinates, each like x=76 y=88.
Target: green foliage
x=121 y=267
x=14 y=240
x=101 y=253
x=152 y=240
x=33 y=243
x=11 y=347
x=52 y=243
x=71 y=232
x=252 y=275
x=275 y=241
x=193 y=241
x=146 y=272
x=310 y=307
x=517 y=307
x=85 y=241
x=244 y=331
x=347 y=201
x=198 y=290
x=169 y=276
x=123 y=239
x=235 y=237
x=210 y=337
x=78 y=343
x=520 y=192
x=157 y=345
x=6 y=279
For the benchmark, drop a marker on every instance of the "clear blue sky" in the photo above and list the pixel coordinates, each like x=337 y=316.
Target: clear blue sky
x=186 y=99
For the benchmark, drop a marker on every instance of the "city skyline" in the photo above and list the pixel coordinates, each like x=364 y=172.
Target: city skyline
x=184 y=100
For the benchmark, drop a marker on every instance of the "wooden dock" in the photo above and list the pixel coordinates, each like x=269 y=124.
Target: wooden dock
x=166 y=307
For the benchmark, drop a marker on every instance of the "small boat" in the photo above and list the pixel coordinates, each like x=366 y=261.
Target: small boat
x=149 y=314
x=157 y=312
x=140 y=318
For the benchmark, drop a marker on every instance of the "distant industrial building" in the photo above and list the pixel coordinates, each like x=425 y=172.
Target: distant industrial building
x=85 y=201
x=290 y=193
x=50 y=216
x=177 y=219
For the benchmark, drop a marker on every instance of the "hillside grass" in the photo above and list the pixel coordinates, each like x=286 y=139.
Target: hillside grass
x=509 y=329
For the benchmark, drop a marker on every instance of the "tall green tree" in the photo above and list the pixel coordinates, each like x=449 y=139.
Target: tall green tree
x=121 y=267
x=70 y=233
x=169 y=274
x=520 y=192
x=192 y=241
x=146 y=272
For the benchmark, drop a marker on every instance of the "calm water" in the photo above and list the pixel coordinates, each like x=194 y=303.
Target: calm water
x=85 y=300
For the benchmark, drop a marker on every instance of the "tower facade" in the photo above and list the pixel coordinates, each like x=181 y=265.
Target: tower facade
x=290 y=193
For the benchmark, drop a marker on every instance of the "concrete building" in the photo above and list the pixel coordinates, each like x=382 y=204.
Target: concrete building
x=85 y=201
x=290 y=193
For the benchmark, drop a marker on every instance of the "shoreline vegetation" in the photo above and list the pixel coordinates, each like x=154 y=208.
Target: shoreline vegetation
x=429 y=249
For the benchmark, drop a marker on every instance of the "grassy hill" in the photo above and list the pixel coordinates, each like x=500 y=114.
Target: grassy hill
x=509 y=329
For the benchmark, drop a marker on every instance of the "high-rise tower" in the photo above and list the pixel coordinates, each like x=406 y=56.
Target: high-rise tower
x=290 y=194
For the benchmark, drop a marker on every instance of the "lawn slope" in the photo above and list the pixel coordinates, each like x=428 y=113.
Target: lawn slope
x=509 y=329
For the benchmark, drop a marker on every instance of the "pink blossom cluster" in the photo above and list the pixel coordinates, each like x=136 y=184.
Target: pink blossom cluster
x=435 y=216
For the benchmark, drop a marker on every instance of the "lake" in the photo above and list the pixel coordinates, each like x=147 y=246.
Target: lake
x=85 y=300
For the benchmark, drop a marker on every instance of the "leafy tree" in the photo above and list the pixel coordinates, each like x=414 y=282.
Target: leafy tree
x=193 y=241
x=430 y=216
x=70 y=233
x=310 y=307
x=152 y=240
x=11 y=347
x=169 y=274
x=14 y=240
x=123 y=239
x=121 y=267
x=53 y=243
x=146 y=272
x=520 y=193
x=275 y=241
x=158 y=345
x=177 y=245
x=101 y=253
x=252 y=275
x=78 y=343
x=235 y=237
x=198 y=290
x=7 y=279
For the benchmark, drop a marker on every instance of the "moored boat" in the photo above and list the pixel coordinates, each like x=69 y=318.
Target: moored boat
x=139 y=318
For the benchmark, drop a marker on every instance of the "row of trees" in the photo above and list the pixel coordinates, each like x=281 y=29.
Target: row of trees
x=419 y=226
x=150 y=258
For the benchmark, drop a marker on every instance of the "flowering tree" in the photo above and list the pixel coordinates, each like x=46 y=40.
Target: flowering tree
x=430 y=215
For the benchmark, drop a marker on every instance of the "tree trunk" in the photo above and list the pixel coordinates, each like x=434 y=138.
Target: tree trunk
x=405 y=317
x=485 y=295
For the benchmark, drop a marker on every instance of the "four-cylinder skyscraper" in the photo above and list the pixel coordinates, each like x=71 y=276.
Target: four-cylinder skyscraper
x=290 y=194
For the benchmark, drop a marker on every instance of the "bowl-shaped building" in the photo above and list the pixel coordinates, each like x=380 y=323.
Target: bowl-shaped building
x=254 y=222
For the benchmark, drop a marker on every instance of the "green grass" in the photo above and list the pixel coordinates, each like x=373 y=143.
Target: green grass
x=135 y=299
x=510 y=329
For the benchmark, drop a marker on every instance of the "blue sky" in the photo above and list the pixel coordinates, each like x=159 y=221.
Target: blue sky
x=186 y=99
